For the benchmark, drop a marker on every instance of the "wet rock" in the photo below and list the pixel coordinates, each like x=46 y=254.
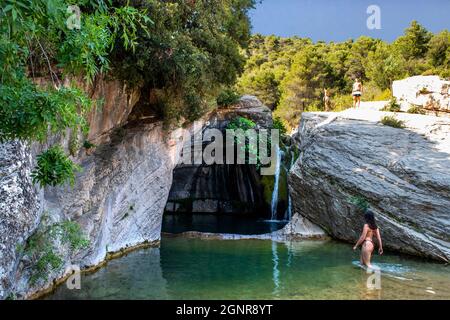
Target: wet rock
x=221 y=188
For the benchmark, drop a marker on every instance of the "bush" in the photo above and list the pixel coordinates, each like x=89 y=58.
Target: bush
x=88 y=145
x=392 y=122
x=40 y=247
x=241 y=123
x=373 y=93
x=383 y=95
x=278 y=124
x=227 y=98
x=416 y=110
x=54 y=168
x=392 y=106
x=341 y=102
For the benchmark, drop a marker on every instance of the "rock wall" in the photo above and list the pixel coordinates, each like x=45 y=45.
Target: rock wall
x=118 y=198
x=222 y=188
x=402 y=173
x=429 y=92
x=19 y=208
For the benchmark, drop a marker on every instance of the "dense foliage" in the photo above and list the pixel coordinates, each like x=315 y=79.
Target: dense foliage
x=190 y=54
x=42 y=247
x=290 y=74
x=37 y=47
x=227 y=98
x=392 y=121
x=183 y=52
x=54 y=168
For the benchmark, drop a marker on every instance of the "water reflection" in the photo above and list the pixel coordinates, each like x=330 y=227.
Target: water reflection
x=254 y=269
x=276 y=272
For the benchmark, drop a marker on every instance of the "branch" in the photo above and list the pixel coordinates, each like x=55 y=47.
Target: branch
x=52 y=73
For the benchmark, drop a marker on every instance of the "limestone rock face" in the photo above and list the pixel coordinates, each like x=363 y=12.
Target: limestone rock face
x=221 y=188
x=118 y=198
x=19 y=208
x=402 y=173
x=115 y=105
x=429 y=92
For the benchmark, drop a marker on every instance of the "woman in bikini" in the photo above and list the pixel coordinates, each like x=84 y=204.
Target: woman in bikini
x=370 y=229
x=357 y=92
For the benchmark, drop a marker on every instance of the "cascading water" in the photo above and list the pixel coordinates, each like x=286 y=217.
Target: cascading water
x=288 y=214
x=276 y=183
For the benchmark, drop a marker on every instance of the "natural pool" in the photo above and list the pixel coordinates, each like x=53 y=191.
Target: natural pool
x=257 y=269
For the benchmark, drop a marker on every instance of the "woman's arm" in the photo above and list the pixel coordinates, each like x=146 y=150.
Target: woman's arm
x=380 y=244
x=363 y=236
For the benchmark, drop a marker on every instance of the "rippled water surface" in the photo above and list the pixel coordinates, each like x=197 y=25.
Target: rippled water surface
x=256 y=269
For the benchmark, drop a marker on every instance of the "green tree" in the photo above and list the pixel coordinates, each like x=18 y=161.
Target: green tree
x=414 y=43
x=303 y=86
x=191 y=52
x=358 y=57
x=385 y=65
x=262 y=84
x=438 y=48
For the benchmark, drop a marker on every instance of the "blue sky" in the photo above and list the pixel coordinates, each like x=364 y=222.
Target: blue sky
x=339 y=20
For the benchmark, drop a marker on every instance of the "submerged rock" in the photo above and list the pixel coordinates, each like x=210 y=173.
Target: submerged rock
x=403 y=174
x=299 y=228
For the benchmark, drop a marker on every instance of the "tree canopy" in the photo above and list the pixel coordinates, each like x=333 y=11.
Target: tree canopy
x=185 y=52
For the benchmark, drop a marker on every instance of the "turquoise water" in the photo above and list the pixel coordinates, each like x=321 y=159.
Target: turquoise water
x=255 y=269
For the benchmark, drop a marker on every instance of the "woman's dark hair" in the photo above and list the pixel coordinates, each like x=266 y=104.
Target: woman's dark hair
x=370 y=219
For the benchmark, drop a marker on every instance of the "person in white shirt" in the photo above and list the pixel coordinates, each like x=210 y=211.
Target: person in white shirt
x=357 y=92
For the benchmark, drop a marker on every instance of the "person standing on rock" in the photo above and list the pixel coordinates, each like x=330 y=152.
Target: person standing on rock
x=357 y=92
x=370 y=229
x=327 y=100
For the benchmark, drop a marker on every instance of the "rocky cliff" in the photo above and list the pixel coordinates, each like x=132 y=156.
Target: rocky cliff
x=222 y=188
x=402 y=173
x=118 y=198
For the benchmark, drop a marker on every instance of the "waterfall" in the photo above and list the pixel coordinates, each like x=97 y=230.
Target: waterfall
x=288 y=214
x=275 y=185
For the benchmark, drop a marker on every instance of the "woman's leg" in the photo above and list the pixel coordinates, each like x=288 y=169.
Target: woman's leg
x=359 y=101
x=354 y=101
x=366 y=253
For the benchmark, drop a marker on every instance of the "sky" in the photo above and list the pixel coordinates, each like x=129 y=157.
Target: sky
x=339 y=20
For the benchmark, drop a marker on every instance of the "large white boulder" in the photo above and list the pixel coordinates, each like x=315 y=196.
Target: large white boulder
x=429 y=92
